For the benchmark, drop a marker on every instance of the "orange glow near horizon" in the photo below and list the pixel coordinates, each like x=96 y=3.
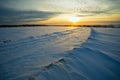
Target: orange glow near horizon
x=59 y=12
x=72 y=19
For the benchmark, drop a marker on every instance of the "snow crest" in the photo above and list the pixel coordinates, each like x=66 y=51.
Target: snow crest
x=63 y=56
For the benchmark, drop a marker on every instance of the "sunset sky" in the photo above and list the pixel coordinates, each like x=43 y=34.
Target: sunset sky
x=59 y=11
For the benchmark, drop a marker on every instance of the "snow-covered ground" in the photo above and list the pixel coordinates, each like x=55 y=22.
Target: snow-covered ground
x=74 y=54
x=16 y=33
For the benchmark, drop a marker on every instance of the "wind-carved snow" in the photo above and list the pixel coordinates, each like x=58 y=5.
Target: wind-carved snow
x=21 y=57
x=77 y=54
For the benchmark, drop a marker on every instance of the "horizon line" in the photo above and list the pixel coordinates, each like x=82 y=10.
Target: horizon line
x=30 y=25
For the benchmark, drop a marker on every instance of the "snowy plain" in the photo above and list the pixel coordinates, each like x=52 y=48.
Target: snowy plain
x=59 y=53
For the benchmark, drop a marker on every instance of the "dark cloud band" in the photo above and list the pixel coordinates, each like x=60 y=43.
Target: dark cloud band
x=15 y=16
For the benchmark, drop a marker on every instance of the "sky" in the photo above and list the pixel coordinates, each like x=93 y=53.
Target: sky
x=58 y=12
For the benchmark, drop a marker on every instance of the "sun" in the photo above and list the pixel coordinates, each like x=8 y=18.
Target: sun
x=74 y=19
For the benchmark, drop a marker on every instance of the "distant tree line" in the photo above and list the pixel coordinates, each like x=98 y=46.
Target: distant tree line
x=31 y=25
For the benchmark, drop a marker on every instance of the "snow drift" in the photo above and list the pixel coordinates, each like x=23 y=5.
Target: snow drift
x=63 y=56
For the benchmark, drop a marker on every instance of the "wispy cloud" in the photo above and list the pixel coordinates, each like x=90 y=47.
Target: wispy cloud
x=87 y=15
x=16 y=16
x=94 y=12
x=19 y=11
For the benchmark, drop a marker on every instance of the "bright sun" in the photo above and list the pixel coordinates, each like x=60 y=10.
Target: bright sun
x=74 y=19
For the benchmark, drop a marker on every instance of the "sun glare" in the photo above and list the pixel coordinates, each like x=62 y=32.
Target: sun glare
x=74 y=19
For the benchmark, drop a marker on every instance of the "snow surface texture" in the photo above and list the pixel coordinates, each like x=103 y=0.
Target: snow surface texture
x=63 y=56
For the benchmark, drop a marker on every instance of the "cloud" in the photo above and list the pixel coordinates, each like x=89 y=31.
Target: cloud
x=88 y=13
x=96 y=7
x=84 y=15
x=20 y=11
x=95 y=11
x=16 y=16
